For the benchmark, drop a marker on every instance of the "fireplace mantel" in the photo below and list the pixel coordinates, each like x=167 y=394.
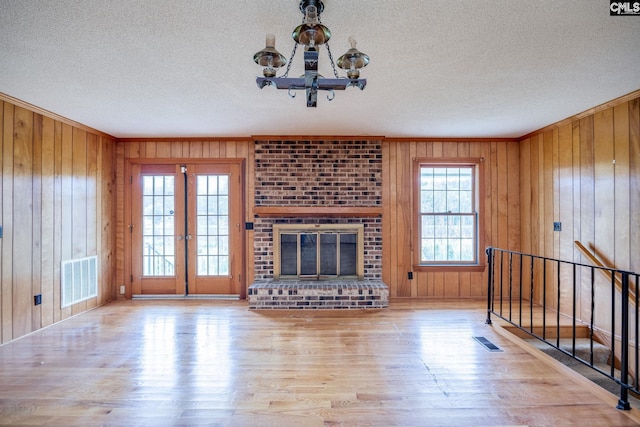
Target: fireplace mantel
x=317 y=211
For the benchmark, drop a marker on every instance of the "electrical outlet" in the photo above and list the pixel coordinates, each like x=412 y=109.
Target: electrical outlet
x=122 y=291
x=37 y=299
x=410 y=275
x=557 y=226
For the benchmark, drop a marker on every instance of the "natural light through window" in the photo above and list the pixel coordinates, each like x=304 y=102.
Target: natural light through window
x=448 y=214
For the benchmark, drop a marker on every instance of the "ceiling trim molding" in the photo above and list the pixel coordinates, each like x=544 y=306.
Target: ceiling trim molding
x=186 y=139
x=450 y=139
x=19 y=103
x=318 y=137
x=591 y=111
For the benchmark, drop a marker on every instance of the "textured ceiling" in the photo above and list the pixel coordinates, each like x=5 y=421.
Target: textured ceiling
x=469 y=68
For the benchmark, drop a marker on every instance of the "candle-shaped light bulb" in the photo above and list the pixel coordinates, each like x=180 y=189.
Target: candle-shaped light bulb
x=271 y=41
x=311 y=15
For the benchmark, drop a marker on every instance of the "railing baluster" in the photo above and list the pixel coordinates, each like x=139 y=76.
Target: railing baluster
x=613 y=321
x=531 y=295
x=593 y=309
x=489 y=283
x=500 y=282
x=623 y=403
x=637 y=335
x=574 y=308
x=520 y=284
x=510 y=286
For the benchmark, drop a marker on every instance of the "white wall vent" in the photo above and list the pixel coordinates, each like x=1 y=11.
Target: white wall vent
x=79 y=280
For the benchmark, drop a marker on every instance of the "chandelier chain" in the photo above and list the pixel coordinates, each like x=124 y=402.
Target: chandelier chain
x=333 y=65
x=293 y=53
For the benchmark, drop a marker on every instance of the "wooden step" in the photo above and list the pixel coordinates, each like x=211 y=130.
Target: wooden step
x=601 y=353
x=551 y=332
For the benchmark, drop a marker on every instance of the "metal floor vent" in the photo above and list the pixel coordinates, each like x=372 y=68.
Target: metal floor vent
x=487 y=344
x=79 y=280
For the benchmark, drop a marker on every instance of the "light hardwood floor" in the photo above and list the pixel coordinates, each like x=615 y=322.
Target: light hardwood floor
x=166 y=363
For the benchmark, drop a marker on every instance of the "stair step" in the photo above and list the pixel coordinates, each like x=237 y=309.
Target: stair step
x=601 y=353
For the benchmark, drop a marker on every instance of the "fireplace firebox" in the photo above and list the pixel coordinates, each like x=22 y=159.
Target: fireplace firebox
x=318 y=251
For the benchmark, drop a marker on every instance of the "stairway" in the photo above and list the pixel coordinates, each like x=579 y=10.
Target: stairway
x=601 y=355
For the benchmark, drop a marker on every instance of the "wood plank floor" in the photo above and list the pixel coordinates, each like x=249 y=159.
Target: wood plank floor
x=179 y=363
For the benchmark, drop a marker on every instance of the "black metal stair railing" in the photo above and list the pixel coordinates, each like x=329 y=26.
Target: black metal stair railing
x=545 y=297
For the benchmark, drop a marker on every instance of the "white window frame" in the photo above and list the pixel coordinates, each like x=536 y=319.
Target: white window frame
x=475 y=164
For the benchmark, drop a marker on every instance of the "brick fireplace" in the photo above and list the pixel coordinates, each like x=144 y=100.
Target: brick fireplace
x=312 y=182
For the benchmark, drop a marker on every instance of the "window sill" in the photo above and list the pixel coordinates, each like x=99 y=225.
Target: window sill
x=450 y=268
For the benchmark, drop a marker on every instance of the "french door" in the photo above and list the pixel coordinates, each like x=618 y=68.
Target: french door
x=186 y=234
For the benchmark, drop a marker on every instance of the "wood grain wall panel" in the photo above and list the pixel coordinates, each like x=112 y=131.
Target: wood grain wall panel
x=91 y=188
x=389 y=200
x=22 y=221
x=549 y=195
x=556 y=191
x=479 y=279
x=78 y=194
x=41 y=184
x=404 y=218
x=386 y=211
x=525 y=195
x=513 y=196
x=604 y=184
x=47 y=220
x=36 y=209
x=499 y=169
x=57 y=221
x=420 y=280
x=634 y=183
x=7 y=223
x=66 y=211
x=2 y=249
x=250 y=201
x=622 y=190
x=563 y=199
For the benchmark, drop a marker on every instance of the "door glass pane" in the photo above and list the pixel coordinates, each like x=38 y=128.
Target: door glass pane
x=348 y=254
x=212 y=225
x=308 y=254
x=329 y=254
x=158 y=232
x=289 y=254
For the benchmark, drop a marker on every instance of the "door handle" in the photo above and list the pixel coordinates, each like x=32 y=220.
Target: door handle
x=179 y=237
x=188 y=237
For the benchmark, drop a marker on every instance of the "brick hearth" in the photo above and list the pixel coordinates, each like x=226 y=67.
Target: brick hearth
x=330 y=294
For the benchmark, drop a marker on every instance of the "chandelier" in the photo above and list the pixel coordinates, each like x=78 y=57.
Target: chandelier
x=311 y=34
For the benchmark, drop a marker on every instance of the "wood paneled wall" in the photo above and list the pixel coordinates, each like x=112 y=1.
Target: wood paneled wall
x=57 y=203
x=585 y=173
x=63 y=189
x=501 y=215
x=178 y=150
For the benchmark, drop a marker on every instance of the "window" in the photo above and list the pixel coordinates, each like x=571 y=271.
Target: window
x=448 y=203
